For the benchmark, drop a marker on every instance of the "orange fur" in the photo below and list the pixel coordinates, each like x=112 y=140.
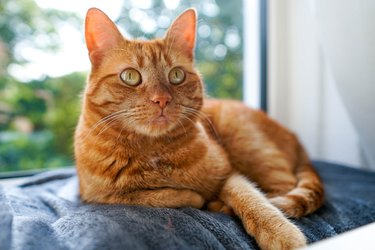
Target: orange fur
x=163 y=145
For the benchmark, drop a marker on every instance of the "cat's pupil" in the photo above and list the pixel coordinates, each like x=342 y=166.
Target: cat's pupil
x=130 y=76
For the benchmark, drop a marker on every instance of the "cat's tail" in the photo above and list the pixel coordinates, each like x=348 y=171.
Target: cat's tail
x=307 y=196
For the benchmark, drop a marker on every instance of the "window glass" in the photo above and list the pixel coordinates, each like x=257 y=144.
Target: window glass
x=44 y=64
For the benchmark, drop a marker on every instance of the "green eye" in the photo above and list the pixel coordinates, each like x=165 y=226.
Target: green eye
x=176 y=76
x=131 y=77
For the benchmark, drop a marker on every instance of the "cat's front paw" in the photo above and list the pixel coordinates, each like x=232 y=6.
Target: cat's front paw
x=282 y=236
x=219 y=207
x=191 y=199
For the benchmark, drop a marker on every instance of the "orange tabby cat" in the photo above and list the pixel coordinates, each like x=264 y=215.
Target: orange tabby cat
x=147 y=136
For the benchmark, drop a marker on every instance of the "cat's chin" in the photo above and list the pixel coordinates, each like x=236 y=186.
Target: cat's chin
x=157 y=127
x=160 y=121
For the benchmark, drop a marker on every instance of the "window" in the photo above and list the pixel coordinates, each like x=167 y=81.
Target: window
x=44 y=65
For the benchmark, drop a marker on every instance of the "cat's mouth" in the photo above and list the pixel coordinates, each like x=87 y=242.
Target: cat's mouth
x=158 y=125
x=161 y=119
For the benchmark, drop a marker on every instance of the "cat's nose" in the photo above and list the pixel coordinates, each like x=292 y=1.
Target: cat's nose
x=161 y=100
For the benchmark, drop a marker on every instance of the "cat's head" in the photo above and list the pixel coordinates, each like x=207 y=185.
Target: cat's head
x=152 y=85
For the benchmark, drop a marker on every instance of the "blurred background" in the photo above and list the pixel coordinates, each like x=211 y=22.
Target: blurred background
x=44 y=64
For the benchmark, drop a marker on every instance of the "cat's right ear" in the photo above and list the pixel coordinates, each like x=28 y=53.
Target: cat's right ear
x=101 y=34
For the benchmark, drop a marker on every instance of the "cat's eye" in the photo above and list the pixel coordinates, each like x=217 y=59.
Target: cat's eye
x=176 y=76
x=131 y=77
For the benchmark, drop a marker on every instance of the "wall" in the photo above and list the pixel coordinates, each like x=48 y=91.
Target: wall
x=302 y=92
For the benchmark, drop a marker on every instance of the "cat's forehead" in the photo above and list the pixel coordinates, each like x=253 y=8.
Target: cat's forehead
x=148 y=45
x=152 y=52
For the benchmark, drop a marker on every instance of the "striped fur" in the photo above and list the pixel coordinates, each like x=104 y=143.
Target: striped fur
x=269 y=155
x=190 y=151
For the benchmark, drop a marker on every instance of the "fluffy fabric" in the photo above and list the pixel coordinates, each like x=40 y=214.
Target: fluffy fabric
x=45 y=213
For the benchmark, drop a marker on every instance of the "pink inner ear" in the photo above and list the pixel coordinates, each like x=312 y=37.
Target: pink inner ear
x=183 y=30
x=190 y=38
x=101 y=33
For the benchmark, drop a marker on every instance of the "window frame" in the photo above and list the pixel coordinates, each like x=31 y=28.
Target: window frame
x=256 y=53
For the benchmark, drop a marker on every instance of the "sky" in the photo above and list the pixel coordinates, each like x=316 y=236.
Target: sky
x=73 y=54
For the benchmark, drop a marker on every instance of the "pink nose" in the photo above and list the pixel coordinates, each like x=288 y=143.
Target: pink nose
x=161 y=100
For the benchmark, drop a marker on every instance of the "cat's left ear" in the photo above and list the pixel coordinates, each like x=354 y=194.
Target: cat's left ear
x=101 y=34
x=182 y=32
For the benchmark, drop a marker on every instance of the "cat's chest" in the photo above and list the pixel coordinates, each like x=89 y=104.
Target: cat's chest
x=147 y=167
x=158 y=164
x=162 y=161
x=197 y=165
x=180 y=169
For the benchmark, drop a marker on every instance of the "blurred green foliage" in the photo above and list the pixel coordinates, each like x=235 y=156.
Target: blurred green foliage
x=37 y=121
x=37 y=118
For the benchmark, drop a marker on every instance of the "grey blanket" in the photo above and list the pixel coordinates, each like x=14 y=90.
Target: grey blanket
x=45 y=213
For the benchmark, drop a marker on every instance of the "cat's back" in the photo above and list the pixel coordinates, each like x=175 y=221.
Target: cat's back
x=230 y=115
x=241 y=128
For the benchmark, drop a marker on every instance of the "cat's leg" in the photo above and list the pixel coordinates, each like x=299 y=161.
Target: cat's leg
x=291 y=183
x=260 y=218
x=256 y=146
x=220 y=207
x=271 y=171
x=268 y=154
x=163 y=197
x=306 y=197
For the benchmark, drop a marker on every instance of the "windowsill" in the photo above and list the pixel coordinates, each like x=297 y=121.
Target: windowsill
x=11 y=182
x=13 y=178
x=359 y=238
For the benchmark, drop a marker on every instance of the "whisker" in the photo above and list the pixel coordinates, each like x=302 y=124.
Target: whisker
x=182 y=127
x=202 y=116
x=108 y=125
x=105 y=120
x=187 y=118
x=118 y=137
